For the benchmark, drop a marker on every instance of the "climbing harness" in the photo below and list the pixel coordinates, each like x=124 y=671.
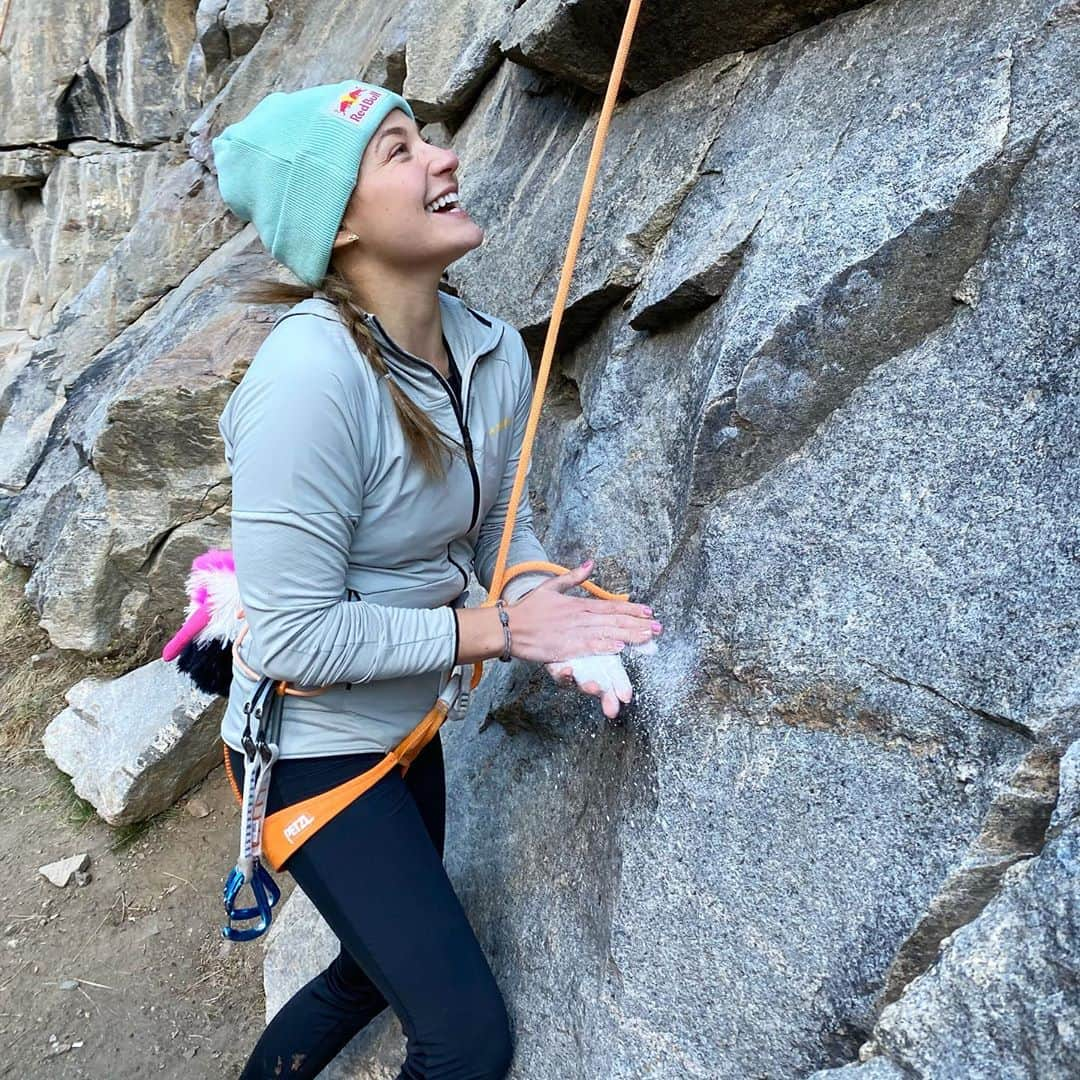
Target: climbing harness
x=276 y=836
x=285 y=830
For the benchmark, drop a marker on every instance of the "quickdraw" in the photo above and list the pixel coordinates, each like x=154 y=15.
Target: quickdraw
x=214 y=616
x=260 y=753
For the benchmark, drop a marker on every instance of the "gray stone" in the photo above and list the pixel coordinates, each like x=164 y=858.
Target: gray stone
x=576 y=40
x=243 y=22
x=92 y=197
x=335 y=41
x=782 y=813
x=1002 y=1002
x=182 y=224
x=197 y=808
x=104 y=71
x=110 y=545
x=19 y=274
x=26 y=166
x=134 y=744
x=225 y=31
x=448 y=49
x=877 y=1068
x=1013 y=829
x=61 y=872
x=33 y=87
x=525 y=148
x=1068 y=804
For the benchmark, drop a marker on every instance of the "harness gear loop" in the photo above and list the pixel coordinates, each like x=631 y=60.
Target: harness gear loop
x=282 y=832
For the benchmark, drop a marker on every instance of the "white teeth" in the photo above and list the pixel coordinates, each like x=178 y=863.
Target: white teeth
x=450 y=197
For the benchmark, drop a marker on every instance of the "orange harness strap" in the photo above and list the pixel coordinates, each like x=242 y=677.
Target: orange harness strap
x=286 y=829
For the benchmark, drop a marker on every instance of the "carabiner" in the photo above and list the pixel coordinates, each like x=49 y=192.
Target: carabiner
x=266 y=893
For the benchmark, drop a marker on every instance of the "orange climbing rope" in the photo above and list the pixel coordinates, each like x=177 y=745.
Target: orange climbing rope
x=614 y=82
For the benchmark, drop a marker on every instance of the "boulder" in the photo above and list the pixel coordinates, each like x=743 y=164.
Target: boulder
x=134 y=744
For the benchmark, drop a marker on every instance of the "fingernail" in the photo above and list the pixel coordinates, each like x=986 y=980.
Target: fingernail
x=587 y=564
x=648 y=611
x=656 y=626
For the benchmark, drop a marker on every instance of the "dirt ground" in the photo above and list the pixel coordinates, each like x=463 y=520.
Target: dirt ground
x=158 y=990
x=127 y=975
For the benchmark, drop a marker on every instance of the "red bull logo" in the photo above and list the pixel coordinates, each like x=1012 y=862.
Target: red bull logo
x=355 y=104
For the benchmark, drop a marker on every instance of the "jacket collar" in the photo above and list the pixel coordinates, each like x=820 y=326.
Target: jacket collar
x=470 y=334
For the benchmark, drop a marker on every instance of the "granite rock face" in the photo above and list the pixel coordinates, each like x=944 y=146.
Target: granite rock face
x=102 y=70
x=1001 y=1001
x=815 y=399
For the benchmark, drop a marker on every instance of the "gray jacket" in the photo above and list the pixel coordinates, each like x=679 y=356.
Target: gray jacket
x=349 y=558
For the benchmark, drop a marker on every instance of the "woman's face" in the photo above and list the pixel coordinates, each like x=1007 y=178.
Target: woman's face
x=400 y=174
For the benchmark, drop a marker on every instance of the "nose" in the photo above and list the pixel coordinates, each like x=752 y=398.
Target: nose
x=446 y=160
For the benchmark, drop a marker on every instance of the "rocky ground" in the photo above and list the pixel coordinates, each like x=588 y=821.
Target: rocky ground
x=127 y=975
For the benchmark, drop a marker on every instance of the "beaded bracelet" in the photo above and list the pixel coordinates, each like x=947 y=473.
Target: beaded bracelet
x=504 y=618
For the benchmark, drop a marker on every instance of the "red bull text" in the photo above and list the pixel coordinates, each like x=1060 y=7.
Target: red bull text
x=355 y=104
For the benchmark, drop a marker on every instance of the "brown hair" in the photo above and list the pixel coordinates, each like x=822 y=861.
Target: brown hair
x=426 y=442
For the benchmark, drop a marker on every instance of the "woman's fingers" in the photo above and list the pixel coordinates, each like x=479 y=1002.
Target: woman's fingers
x=611 y=698
x=608 y=701
x=561 y=673
x=596 y=606
x=564 y=582
x=622 y=627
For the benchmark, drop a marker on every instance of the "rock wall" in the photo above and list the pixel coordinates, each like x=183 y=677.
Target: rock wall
x=816 y=401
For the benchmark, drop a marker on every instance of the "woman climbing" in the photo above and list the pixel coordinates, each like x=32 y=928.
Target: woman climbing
x=373 y=443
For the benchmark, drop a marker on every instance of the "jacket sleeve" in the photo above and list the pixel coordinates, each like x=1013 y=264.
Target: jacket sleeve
x=294 y=447
x=524 y=545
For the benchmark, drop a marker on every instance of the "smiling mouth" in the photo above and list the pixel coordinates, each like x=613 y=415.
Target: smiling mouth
x=454 y=211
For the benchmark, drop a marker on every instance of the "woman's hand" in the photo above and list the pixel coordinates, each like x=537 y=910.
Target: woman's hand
x=549 y=626
x=599 y=676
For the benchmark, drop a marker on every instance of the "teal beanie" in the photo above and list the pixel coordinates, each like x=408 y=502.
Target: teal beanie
x=291 y=164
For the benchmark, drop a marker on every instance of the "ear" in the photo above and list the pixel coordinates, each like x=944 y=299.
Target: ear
x=343 y=238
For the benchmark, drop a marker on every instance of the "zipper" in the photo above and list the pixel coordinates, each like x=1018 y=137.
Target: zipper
x=460 y=569
x=461 y=417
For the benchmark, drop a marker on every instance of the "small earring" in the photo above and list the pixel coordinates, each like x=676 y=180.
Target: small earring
x=352 y=236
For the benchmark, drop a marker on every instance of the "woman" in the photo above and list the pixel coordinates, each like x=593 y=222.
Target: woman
x=372 y=444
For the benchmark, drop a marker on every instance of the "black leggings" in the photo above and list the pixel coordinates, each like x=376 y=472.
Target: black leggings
x=375 y=874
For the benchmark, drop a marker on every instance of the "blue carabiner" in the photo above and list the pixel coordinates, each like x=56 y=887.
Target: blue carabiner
x=262 y=884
